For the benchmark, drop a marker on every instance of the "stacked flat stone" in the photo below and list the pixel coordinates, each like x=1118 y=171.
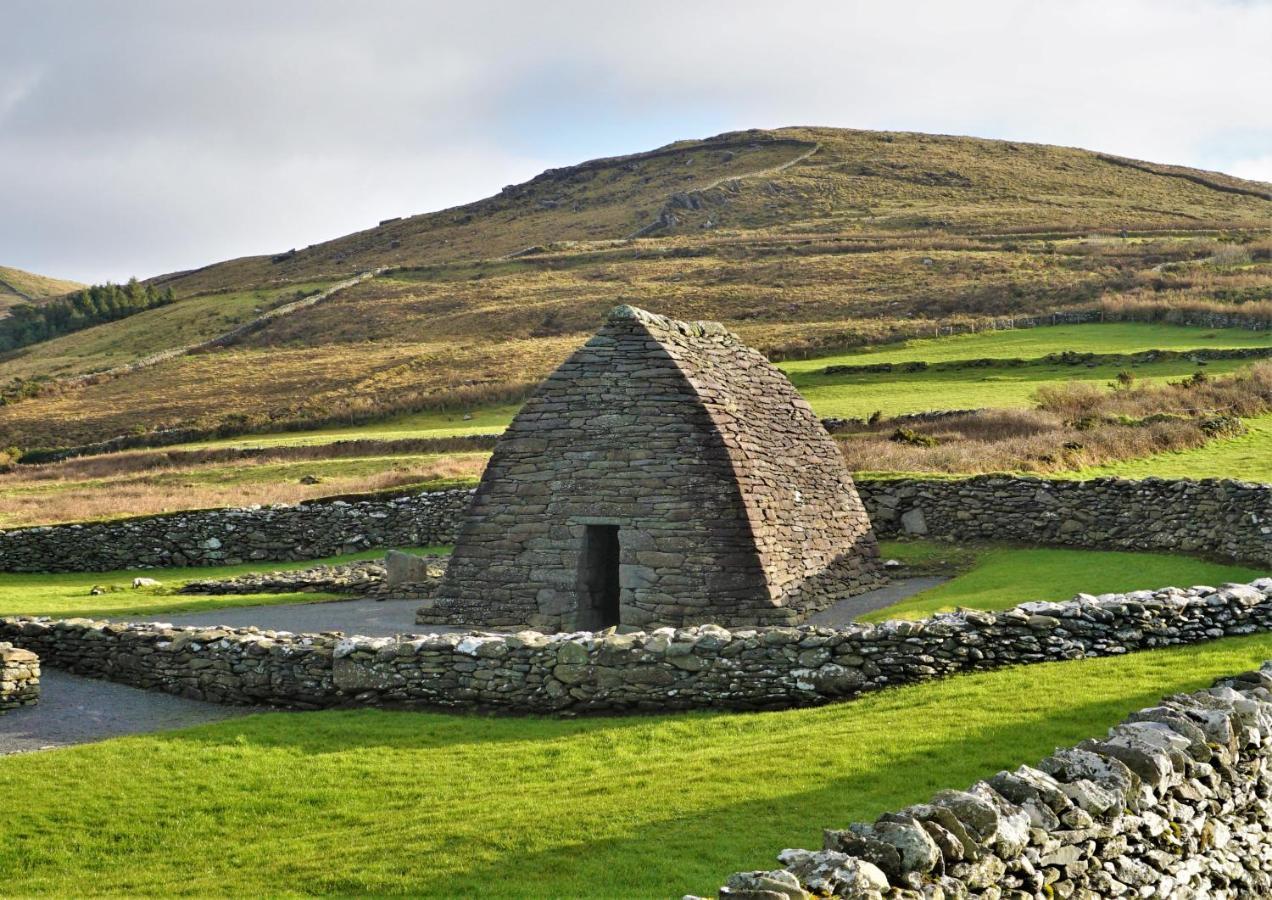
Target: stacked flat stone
x=214 y=537
x=19 y=677
x=402 y=576
x=351 y=578
x=733 y=503
x=697 y=667
x=1172 y=803
x=1216 y=517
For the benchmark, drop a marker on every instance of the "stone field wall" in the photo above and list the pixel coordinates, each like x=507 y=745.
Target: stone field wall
x=19 y=677
x=1212 y=517
x=1221 y=518
x=215 y=537
x=667 y=669
x=1173 y=802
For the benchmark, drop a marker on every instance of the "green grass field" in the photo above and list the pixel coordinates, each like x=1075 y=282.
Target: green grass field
x=1248 y=457
x=376 y=803
x=432 y=423
x=1031 y=343
x=1002 y=577
x=67 y=595
x=894 y=392
x=188 y=321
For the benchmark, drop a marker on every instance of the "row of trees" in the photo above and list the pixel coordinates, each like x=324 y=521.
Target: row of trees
x=30 y=324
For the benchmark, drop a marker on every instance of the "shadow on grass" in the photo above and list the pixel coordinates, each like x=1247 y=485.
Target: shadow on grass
x=695 y=853
x=901 y=746
x=374 y=802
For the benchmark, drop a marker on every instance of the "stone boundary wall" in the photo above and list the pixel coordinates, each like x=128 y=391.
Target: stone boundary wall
x=701 y=667
x=19 y=677
x=1213 y=517
x=212 y=537
x=1172 y=803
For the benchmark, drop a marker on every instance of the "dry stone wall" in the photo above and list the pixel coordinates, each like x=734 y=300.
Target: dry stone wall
x=1173 y=802
x=1214 y=517
x=19 y=677
x=668 y=669
x=226 y=536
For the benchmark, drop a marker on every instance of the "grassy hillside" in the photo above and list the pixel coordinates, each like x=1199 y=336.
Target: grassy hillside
x=805 y=241
x=785 y=182
x=1000 y=369
x=17 y=286
x=189 y=321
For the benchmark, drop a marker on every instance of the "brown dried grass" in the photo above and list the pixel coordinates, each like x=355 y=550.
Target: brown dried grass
x=1244 y=393
x=42 y=501
x=1013 y=440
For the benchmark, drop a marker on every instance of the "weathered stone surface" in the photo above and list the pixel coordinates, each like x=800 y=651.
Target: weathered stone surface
x=1223 y=518
x=213 y=537
x=19 y=677
x=1219 y=517
x=732 y=503
x=1203 y=830
x=418 y=579
x=707 y=666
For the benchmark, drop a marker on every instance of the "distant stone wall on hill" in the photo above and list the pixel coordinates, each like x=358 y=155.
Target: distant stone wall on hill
x=1219 y=518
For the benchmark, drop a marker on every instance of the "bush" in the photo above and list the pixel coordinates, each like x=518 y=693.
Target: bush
x=909 y=436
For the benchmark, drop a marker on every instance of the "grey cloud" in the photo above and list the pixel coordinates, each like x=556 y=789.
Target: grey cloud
x=140 y=137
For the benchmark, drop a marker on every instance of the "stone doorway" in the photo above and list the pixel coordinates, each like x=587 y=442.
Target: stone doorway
x=599 y=588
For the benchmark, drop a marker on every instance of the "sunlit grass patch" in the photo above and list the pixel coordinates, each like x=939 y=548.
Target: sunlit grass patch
x=67 y=595
x=370 y=803
x=1000 y=577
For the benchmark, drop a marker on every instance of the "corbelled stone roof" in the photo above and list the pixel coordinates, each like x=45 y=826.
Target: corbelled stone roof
x=733 y=503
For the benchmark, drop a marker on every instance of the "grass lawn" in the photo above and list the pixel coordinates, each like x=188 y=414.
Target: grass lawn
x=67 y=595
x=433 y=423
x=1030 y=343
x=373 y=803
x=905 y=392
x=42 y=501
x=1002 y=577
x=1248 y=457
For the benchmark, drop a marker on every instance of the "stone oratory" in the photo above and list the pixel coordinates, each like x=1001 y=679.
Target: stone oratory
x=665 y=474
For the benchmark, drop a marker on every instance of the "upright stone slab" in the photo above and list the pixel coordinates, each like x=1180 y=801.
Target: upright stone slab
x=665 y=474
x=19 y=677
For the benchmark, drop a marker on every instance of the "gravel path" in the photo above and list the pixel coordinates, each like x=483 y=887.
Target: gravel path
x=75 y=710
x=845 y=611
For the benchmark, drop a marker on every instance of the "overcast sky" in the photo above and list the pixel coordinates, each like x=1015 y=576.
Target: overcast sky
x=141 y=137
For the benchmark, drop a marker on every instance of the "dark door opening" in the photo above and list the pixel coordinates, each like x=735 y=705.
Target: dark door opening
x=598 y=578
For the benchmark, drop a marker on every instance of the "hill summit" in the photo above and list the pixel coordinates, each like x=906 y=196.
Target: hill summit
x=800 y=240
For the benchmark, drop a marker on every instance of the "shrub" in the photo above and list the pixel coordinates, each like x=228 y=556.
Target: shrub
x=912 y=437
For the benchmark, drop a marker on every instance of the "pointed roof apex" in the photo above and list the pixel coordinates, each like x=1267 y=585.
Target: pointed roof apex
x=627 y=315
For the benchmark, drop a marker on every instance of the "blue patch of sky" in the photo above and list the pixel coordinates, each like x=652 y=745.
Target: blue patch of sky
x=570 y=113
